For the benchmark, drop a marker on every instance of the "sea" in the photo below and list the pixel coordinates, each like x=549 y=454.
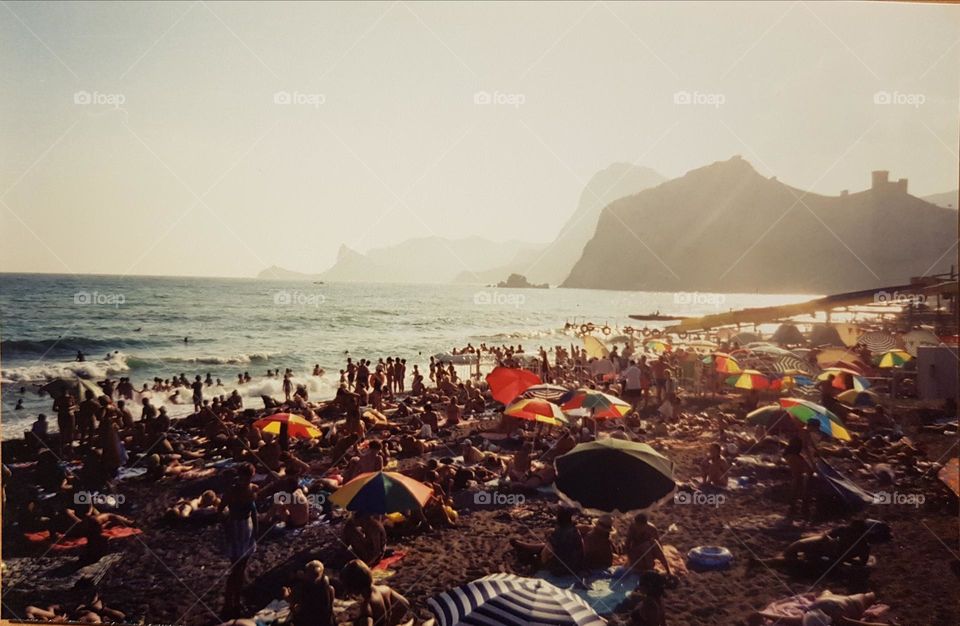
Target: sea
x=137 y=326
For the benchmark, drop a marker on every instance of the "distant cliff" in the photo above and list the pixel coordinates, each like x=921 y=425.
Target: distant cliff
x=726 y=228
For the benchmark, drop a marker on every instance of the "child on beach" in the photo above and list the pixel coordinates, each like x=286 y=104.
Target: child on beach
x=379 y=604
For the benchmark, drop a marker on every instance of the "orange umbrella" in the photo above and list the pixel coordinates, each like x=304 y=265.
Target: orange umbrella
x=506 y=383
x=537 y=410
x=296 y=425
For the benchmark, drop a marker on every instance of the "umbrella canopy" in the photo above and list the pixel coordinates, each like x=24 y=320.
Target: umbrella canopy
x=832 y=356
x=786 y=363
x=381 y=493
x=825 y=335
x=546 y=391
x=744 y=338
x=297 y=427
x=78 y=386
x=859 y=397
x=510 y=600
x=804 y=410
x=845 y=378
x=878 y=341
x=658 y=346
x=749 y=379
x=726 y=364
x=788 y=335
x=506 y=383
x=894 y=358
x=765 y=415
x=701 y=345
x=916 y=338
x=849 y=333
x=536 y=410
x=600 y=405
x=614 y=475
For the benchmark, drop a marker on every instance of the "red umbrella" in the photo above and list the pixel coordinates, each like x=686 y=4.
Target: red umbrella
x=506 y=383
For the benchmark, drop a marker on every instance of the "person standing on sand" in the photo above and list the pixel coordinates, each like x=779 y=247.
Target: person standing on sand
x=351 y=373
x=240 y=529
x=287 y=387
x=65 y=420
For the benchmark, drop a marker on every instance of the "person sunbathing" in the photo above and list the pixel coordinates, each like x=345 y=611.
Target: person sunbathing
x=850 y=543
x=204 y=505
x=366 y=537
x=839 y=609
x=311 y=598
x=643 y=546
x=379 y=604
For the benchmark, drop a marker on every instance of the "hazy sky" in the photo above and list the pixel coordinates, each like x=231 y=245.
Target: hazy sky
x=216 y=139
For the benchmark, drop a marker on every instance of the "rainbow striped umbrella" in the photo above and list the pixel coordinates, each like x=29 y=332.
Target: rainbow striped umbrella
x=725 y=364
x=804 y=411
x=842 y=376
x=537 y=410
x=894 y=358
x=600 y=405
x=749 y=379
x=859 y=397
x=297 y=427
x=381 y=493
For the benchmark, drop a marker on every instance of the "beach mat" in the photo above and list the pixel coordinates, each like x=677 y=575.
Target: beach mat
x=43 y=537
x=53 y=573
x=388 y=561
x=950 y=475
x=797 y=606
x=605 y=589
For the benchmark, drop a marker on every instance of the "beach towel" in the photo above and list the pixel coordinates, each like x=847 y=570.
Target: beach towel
x=393 y=559
x=797 y=606
x=834 y=485
x=276 y=612
x=950 y=475
x=126 y=473
x=72 y=543
x=605 y=590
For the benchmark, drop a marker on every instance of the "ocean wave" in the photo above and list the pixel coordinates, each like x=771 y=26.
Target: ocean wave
x=48 y=370
x=237 y=359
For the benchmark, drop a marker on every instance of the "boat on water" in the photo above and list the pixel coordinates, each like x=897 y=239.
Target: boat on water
x=657 y=317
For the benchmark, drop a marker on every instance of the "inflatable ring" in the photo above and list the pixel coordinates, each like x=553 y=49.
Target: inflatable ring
x=583 y=329
x=710 y=557
x=628 y=330
x=606 y=330
x=681 y=335
x=590 y=326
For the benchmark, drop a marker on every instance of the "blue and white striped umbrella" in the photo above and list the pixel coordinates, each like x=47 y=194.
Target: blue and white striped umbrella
x=509 y=600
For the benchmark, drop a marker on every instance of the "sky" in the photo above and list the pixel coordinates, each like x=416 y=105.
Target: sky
x=217 y=139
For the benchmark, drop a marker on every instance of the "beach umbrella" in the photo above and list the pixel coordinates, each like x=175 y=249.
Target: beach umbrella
x=764 y=415
x=919 y=337
x=764 y=347
x=743 y=338
x=749 y=379
x=878 y=341
x=791 y=362
x=788 y=335
x=546 y=391
x=859 y=398
x=701 y=345
x=381 y=493
x=614 y=475
x=842 y=376
x=894 y=358
x=825 y=335
x=849 y=333
x=804 y=411
x=78 y=386
x=511 y=600
x=297 y=427
x=536 y=410
x=601 y=405
x=832 y=356
x=726 y=364
x=658 y=346
x=506 y=383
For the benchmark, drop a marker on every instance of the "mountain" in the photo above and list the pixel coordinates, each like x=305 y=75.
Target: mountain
x=551 y=263
x=947 y=199
x=278 y=273
x=423 y=260
x=726 y=228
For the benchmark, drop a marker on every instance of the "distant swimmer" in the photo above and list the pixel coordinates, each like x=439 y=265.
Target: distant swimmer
x=186 y=340
x=137 y=330
x=80 y=357
x=19 y=406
